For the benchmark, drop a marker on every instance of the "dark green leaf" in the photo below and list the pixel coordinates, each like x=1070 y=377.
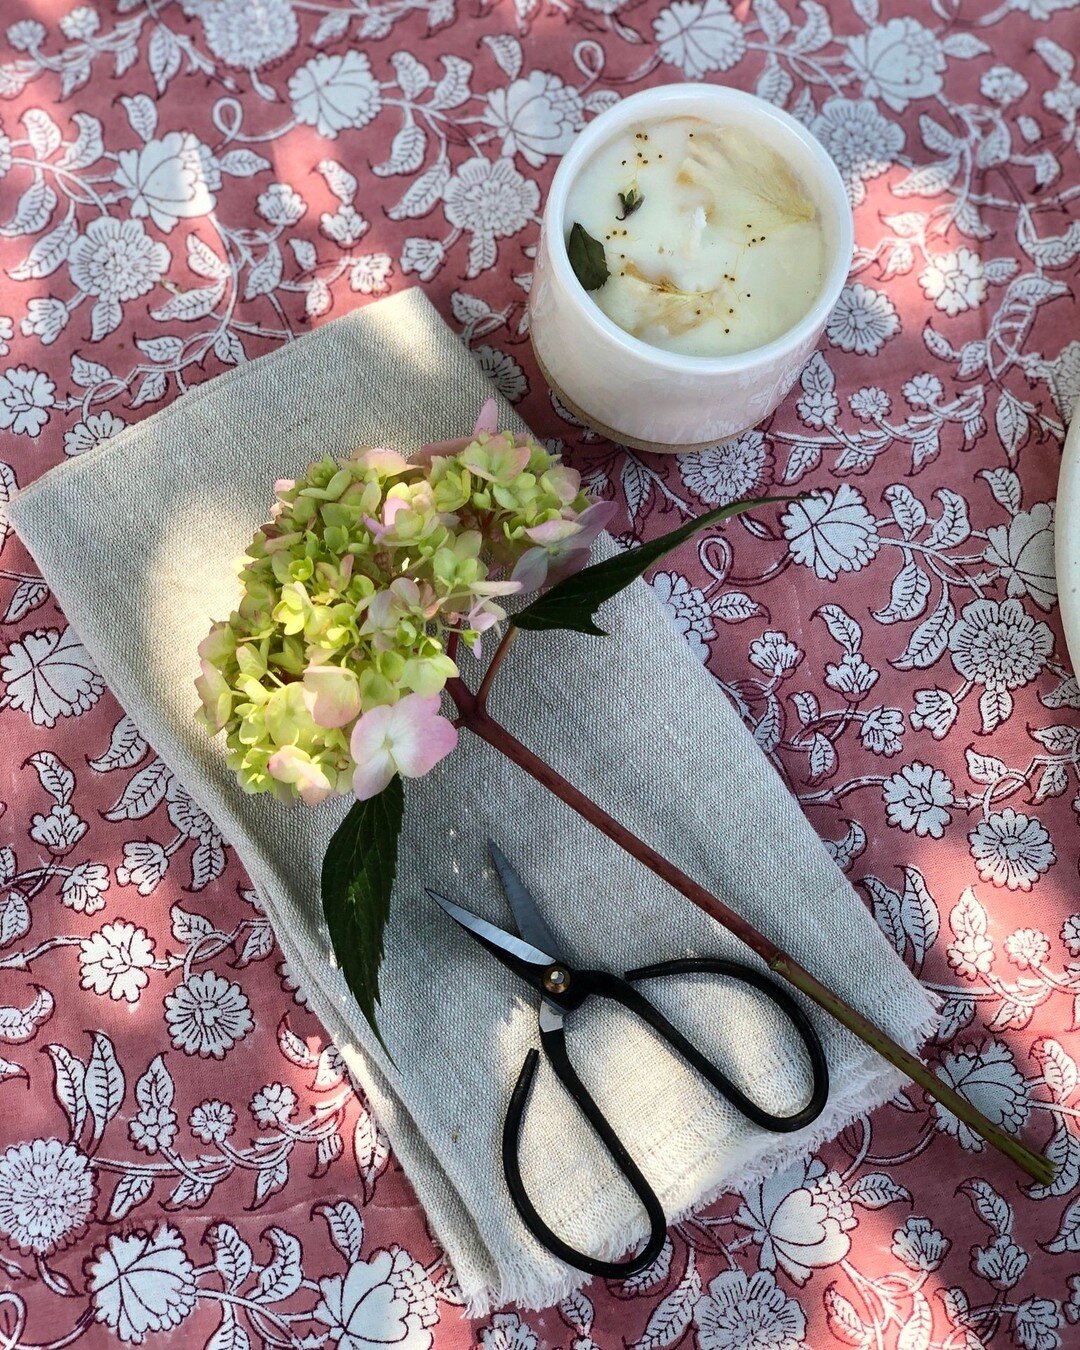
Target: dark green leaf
x=587 y=258
x=573 y=603
x=357 y=878
x=630 y=200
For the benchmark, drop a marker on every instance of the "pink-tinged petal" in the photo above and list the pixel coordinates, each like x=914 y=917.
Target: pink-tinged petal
x=378 y=531
x=563 y=480
x=284 y=485
x=553 y=532
x=530 y=570
x=373 y=775
x=331 y=695
x=291 y=765
x=488 y=418
x=391 y=507
x=419 y=737
x=566 y=564
x=438 y=449
x=369 y=736
x=597 y=516
x=387 y=462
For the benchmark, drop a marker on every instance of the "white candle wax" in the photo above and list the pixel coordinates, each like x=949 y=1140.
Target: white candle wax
x=725 y=251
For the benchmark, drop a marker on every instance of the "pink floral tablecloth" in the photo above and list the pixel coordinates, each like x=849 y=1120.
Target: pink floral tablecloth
x=186 y=184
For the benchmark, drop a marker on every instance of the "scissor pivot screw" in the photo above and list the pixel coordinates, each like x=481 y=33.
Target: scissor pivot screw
x=556 y=980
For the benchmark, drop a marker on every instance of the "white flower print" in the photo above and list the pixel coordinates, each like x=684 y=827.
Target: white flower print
x=45 y=318
x=990 y=1080
x=166 y=180
x=7 y=326
x=114 y=961
x=1011 y=849
x=91 y=431
x=775 y=654
x=331 y=93
x=935 y=711
x=145 y=863
x=917 y=798
x=862 y=320
x=729 y=471
x=882 y=730
x=1002 y=84
x=738 y=1311
x=206 y=1015
x=686 y=607
x=508 y=1332
x=1070 y=934
x=536 y=117
x=370 y=273
x=923 y=390
x=153 y=1128
x=897 y=62
x=1024 y=550
x=249 y=34
x=273 y=1104
x=832 y=532
x=281 y=204
x=364 y=1310
x=26 y=396
x=80 y=24
x=141 y=1283
x=49 y=675
x=117 y=260
x=422 y=256
x=491 y=201
x=870 y=403
x=955 y=281
x=1027 y=948
x=1002 y=1263
x=47 y=1193
x=1064 y=377
x=861 y=141
x=997 y=644
x=920 y=1245
x=84 y=886
x=27 y=34
x=503 y=371
x=800 y=1218
x=1036 y=1324
x=212 y=1121
x=699 y=38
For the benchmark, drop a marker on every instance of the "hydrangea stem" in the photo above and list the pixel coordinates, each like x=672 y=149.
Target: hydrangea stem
x=473 y=716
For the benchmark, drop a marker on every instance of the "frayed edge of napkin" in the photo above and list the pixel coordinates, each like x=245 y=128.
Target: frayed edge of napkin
x=873 y=1088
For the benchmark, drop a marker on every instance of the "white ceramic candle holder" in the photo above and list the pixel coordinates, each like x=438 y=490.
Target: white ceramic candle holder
x=644 y=396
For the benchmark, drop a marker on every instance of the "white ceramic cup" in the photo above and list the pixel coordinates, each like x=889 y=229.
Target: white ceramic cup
x=644 y=396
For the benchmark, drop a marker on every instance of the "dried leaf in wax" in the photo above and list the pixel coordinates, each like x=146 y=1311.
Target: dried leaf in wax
x=744 y=180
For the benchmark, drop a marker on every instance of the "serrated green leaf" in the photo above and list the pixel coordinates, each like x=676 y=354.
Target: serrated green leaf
x=572 y=604
x=357 y=878
x=587 y=258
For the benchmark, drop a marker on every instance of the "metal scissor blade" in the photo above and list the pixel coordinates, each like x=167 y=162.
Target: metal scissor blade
x=530 y=923
x=497 y=940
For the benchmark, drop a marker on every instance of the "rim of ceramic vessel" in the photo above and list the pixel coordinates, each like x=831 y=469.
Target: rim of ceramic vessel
x=720 y=104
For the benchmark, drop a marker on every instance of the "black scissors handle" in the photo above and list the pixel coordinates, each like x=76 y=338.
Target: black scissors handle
x=554 y=1043
x=819 y=1068
x=553 y=1040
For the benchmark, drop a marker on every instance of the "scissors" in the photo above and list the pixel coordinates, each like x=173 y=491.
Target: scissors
x=533 y=954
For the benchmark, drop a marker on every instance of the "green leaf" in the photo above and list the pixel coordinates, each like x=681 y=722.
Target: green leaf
x=573 y=603
x=357 y=878
x=587 y=258
x=630 y=200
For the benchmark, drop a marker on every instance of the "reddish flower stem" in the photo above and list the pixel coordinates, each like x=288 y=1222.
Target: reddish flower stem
x=473 y=716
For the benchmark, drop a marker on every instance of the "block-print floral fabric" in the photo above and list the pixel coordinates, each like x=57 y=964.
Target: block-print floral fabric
x=189 y=183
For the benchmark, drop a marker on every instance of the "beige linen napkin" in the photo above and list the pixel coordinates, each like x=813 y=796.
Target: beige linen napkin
x=137 y=538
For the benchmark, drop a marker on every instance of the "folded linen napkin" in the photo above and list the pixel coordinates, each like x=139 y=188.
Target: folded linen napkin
x=136 y=539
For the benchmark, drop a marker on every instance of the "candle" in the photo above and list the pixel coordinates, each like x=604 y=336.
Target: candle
x=749 y=195
x=711 y=243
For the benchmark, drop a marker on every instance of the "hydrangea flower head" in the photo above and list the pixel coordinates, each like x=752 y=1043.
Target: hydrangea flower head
x=326 y=677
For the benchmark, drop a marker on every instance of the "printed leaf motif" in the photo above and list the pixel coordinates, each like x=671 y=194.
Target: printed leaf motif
x=672 y=1317
x=844 y=1321
x=910 y=592
x=126 y=748
x=104 y=1084
x=875 y=1190
x=929 y=639
x=155 y=1090
x=281 y=1278
x=131 y=1190
x=142 y=794
x=20 y=1024
x=992 y=1208
x=69 y=1086
x=346 y=1228
x=232 y=1255
x=651 y=1277
x=55 y=777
